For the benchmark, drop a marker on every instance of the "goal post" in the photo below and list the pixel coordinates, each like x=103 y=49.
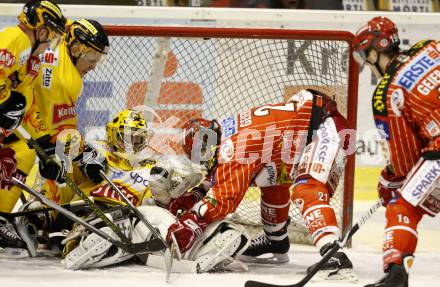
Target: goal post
x=188 y=72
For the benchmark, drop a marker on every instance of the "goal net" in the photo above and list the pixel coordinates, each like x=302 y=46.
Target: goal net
x=187 y=72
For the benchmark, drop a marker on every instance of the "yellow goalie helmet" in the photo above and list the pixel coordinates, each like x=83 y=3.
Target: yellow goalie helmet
x=127 y=132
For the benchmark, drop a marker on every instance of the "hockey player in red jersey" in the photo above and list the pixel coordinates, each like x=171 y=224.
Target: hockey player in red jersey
x=406 y=108
x=271 y=146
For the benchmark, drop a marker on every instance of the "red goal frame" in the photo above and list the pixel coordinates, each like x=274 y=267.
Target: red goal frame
x=214 y=32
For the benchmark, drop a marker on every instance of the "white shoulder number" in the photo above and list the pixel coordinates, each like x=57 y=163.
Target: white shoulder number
x=264 y=110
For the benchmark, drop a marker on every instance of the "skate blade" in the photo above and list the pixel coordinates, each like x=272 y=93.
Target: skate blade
x=345 y=275
x=272 y=258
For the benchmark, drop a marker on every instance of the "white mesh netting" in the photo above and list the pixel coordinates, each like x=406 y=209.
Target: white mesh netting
x=213 y=77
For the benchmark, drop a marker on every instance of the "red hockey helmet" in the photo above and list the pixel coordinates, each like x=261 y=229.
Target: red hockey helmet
x=196 y=135
x=380 y=33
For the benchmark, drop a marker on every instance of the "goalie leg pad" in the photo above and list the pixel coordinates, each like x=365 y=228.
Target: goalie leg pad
x=90 y=250
x=215 y=249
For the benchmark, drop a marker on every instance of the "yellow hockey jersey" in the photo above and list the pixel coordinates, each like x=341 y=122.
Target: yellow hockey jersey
x=57 y=89
x=18 y=68
x=133 y=181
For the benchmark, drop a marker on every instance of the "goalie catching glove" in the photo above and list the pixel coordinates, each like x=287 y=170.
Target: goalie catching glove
x=388 y=185
x=184 y=233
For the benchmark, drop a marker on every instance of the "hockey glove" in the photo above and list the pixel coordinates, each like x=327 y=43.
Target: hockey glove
x=388 y=185
x=186 y=201
x=90 y=162
x=12 y=110
x=185 y=232
x=54 y=169
x=432 y=150
x=8 y=166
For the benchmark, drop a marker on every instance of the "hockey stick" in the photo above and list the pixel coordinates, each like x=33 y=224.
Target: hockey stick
x=136 y=248
x=69 y=206
x=338 y=245
x=168 y=254
x=43 y=156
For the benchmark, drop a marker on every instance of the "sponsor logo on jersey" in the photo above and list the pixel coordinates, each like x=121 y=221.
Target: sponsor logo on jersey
x=229 y=126
x=425 y=182
x=47 y=77
x=267 y=176
x=323 y=145
x=106 y=191
x=63 y=112
x=33 y=66
x=49 y=57
x=417 y=68
x=379 y=96
x=24 y=56
x=433 y=129
x=383 y=129
x=245 y=119
x=227 y=151
x=6 y=58
x=397 y=101
x=431 y=82
x=139 y=179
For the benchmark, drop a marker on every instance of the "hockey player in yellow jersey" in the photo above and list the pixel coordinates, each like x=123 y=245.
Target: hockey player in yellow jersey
x=40 y=22
x=59 y=85
x=57 y=88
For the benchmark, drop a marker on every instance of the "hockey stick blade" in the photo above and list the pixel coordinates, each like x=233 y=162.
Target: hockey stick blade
x=337 y=245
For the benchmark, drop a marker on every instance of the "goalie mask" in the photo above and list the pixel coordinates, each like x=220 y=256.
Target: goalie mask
x=128 y=132
x=89 y=36
x=201 y=139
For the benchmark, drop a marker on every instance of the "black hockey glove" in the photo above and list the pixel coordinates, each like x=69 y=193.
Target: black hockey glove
x=90 y=163
x=56 y=167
